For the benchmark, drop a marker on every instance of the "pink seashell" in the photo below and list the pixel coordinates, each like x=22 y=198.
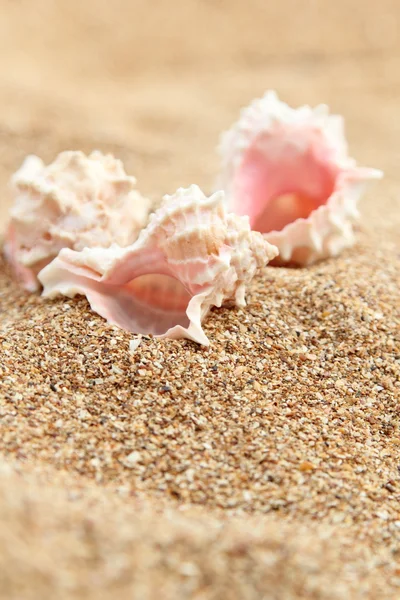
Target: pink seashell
x=191 y=256
x=74 y=202
x=289 y=170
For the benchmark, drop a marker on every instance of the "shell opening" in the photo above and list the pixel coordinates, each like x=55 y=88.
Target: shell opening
x=284 y=175
x=151 y=304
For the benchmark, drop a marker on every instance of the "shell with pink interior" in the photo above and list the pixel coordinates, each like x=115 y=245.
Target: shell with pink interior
x=289 y=170
x=191 y=256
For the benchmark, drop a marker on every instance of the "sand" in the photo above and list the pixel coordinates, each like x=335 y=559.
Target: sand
x=268 y=465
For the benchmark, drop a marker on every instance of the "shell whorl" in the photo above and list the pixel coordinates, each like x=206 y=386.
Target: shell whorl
x=74 y=202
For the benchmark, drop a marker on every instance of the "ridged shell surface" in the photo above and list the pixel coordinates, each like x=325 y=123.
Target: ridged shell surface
x=74 y=202
x=191 y=256
x=289 y=170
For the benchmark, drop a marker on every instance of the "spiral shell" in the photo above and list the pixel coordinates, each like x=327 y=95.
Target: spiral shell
x=191 y=256
x=289 y=170
x=74 y=202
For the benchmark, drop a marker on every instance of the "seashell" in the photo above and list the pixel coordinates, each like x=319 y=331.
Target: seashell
x=289 y=170
x=74 y=202
x=191 y=256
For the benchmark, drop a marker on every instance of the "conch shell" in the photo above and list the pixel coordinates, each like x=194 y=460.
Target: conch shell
x=191 y=256
x=74 y=202
x=289 y=170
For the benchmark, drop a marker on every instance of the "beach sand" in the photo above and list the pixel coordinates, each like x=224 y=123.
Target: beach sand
x=266 y=466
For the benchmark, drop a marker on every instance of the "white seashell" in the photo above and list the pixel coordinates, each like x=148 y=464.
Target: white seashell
x=289 y=170
x=74 y=202
x=191 y=256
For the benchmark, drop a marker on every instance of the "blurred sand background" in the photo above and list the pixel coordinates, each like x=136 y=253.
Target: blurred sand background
x=154 y=82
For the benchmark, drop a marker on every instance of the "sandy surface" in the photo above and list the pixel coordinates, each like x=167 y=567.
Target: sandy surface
x=266 y=466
